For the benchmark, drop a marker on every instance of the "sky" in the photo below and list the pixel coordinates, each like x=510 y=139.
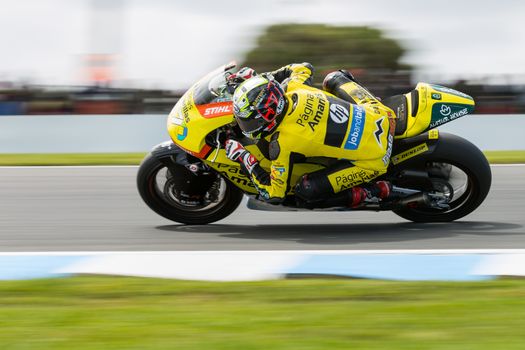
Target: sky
x=171 y=43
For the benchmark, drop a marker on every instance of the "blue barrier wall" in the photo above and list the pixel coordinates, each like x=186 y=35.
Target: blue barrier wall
x=12 y=108
x=138 y=133
x=81 y=134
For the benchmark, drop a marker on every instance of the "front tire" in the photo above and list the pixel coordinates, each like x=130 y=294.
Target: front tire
x=463 y=158
x=162 y=197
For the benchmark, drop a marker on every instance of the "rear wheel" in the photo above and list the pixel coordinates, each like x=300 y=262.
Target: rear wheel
x=457 y=170
x=182 y=196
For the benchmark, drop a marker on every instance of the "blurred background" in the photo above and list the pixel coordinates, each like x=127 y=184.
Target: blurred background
x=138 y=57
x=100 y=76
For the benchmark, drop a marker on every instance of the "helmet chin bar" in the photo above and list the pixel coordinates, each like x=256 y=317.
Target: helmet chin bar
x=271 y=126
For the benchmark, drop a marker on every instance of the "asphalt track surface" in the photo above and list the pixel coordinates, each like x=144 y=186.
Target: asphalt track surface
x=99 y=209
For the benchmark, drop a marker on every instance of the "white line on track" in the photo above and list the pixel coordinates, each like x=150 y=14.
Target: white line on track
x=136 y=166
x=291 y=252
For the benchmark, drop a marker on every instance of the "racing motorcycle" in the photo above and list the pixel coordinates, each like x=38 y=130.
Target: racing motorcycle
x=436 y=177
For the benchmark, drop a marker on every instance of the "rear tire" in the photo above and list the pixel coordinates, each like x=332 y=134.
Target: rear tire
x=155 y=196
x=464 y=156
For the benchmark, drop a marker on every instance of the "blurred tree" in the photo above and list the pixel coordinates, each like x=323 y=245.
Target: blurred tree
x=326 y=47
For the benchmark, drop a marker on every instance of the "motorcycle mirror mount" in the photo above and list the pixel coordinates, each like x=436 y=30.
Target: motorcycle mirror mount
x=218 y=145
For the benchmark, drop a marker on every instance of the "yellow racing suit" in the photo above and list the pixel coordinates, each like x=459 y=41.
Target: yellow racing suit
x=319 y=124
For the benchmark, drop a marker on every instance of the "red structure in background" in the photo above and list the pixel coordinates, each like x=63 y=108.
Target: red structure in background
x=100 y=69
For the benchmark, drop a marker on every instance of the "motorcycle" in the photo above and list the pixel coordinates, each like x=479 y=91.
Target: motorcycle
x=436 y=177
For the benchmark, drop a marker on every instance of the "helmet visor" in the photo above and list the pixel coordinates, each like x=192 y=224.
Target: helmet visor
x=250 y=127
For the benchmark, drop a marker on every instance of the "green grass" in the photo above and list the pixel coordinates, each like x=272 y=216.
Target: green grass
x=134 y=313
x=505 y=157
x=501 y=157
x=72 y=159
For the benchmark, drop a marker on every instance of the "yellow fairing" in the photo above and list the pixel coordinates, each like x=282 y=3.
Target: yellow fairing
x=432 y=105
x=187 y=127
x=232 y=170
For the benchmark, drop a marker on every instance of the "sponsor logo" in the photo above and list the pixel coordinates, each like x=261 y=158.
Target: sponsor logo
x=193 y=167
x=280 y=106
x=276 y=180
x=388 y=154
x=308 y=110
x=257 y=100
x=423 y=96
x=186 y=108
x=356 y=130
x=412 y=152
x=401 y=111
x=318 y=115
x=278 y=170
x=436 y=96
x=337 y=123
x=235 y=175
x=391 y=132
x=349 y=180
x=439 y=122
x=379 y=132
x=360 y=95
x=310 y=116
x=451 y=116
x=338 y=113
x=218 y=109
x=445 y=110
x=458 y=114
x=182 y=133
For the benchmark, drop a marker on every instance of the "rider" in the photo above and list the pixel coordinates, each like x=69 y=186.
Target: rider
x=301 y=121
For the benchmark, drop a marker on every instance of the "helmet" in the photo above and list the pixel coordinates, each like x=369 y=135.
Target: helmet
x=257 y=102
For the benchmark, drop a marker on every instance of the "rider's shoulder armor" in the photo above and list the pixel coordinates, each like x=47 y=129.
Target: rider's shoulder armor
x=274 y=148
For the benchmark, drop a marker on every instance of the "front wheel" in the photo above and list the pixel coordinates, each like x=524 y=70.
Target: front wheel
x=457 y=170
x=179 y=195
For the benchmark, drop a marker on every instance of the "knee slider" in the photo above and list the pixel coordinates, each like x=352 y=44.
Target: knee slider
x=305 y=189
x=313 y=187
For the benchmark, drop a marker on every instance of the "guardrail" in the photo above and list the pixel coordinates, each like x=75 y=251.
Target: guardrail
x=138 y=133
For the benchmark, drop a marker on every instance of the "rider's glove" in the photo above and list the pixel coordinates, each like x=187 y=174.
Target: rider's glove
x=235 y=151
x=242 y=75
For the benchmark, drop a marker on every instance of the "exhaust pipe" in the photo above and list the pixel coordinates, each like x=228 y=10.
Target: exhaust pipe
x=415 y=201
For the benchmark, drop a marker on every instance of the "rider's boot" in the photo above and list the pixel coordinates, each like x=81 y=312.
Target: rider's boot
x=369 y=193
